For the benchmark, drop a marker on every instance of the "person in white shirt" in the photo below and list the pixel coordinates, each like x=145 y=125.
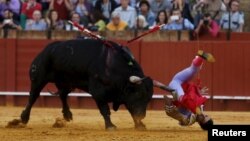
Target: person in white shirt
x=233 y=19
x=127 y=13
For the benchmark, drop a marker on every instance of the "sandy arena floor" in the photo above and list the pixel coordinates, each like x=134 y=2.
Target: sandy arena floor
x=88 y=125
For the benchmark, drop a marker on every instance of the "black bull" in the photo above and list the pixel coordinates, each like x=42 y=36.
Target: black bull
x=91 y=66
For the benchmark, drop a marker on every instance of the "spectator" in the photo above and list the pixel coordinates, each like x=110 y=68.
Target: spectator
x=118 y=2
x=93 y=2
x=207 y=25
x=132 y=3
x=106 y=7
x=63 y=7
x=178 y=4
x=27 y=11
x=225 y=5
x=141 y=23
x=184 y=8
x=36 y=23
x=158 y=5
x=198 y=9
x=73 y=3
x=234 y=19
x=161 y=18
x=53 y=21
x=8 y=21
x=83 y=8
x=97 y=20
x=177 y=22
x=116 y=24
x=207 y=6
x=127 y=13
x=12 y=5
x=214 y=8
x=3 y=7
x=29 y=7
x=146 y=12
x=75 y=17
x=45 y=5
x=136 y=3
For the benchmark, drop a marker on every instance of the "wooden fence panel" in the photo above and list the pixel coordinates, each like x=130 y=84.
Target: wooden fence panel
x=228 y=71
x=2 y=65
x=229 y=76
x=26 y=52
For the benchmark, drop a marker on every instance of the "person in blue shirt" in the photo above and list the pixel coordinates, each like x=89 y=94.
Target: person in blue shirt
x=177 y=22
x=146 y=12
x=233 y=19
x=37 y=23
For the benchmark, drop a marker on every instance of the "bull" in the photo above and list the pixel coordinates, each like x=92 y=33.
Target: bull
x=106 y=72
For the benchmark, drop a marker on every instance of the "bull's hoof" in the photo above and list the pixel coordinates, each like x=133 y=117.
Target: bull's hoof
x=111 y=127
x=25 y=117
x=68 y=116
x=59 y=123
x=15 y=123
x=140 y=127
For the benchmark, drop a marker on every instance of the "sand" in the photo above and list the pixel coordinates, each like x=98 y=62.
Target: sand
x=88 y=125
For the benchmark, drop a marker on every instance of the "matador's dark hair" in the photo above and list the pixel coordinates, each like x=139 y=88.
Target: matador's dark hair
x=207 y=125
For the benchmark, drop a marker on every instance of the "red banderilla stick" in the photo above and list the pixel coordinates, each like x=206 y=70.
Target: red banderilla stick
x=149 y=31
x=98 y=37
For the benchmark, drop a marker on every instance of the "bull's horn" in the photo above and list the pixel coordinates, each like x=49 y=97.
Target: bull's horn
x=136 y=79
x=162 y=86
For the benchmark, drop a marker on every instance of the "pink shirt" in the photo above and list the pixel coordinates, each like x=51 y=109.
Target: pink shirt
x=214 y=29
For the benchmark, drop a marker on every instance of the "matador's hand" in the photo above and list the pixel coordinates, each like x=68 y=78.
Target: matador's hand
x=204 y=91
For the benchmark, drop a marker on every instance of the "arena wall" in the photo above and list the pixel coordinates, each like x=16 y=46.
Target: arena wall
x=228 y=78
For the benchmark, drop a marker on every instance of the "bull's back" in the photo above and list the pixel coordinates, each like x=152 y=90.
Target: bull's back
x=76 y=56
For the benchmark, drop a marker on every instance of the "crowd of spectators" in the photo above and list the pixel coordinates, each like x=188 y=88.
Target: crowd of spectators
x=200 y=16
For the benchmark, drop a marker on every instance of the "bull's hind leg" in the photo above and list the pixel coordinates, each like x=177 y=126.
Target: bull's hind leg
x=34 y=94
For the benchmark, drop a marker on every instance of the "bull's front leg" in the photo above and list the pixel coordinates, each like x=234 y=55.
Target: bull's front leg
x=98 y=92
x=139 y=125
x=105 y=111
x=137 y=115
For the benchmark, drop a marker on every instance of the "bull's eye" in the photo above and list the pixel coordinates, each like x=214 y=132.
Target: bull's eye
x=130 y=63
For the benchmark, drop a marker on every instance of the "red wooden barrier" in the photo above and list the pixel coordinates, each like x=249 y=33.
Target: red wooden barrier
x=160 y=60
x=26 y=52
x=236 y=36
x=2 y=65
x=224 y=36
